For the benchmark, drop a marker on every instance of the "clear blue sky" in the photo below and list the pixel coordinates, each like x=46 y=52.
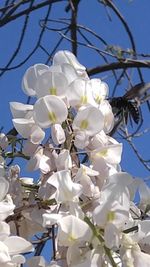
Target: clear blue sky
x=93 y=15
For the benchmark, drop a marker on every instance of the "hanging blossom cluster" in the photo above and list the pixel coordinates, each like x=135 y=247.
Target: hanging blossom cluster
x=82 y=199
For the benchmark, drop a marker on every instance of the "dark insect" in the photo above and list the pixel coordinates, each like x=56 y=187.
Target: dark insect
x=124 y=108
x=128 y=106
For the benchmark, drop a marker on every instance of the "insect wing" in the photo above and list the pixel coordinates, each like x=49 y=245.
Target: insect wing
x=137 y=91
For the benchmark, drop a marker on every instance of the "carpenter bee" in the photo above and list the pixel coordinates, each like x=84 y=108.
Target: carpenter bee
x=128 y=106
x=123 y=108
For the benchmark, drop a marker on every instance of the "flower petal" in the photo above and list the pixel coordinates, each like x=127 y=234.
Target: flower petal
x=71 y=230
x=37 y=135
x=23 y=126
x=89 y=120
x=4 y=186
x=49 y=110
x=65 y=56
x=30 y=78
x=66 y=189
x=17 y=244
x=51 y=83
x=19 y=110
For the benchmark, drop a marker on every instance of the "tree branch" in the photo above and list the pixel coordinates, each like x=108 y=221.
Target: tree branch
x=127 y=63
x=7 y=19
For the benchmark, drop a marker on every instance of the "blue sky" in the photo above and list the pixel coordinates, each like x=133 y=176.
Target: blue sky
x=94 y=16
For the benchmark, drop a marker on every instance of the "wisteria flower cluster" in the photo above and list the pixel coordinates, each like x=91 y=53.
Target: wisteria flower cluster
x=82 y=200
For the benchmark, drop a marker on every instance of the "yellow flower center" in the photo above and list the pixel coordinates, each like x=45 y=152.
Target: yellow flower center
x=98 y=99
x=84 y=171
x=110 y=216
x=83 y=100
x=52 y=117
x=102 y=153
x=53 y=91
x=84 y=124
x=71 y=238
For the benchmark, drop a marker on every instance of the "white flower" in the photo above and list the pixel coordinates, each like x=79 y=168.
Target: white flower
x=113 y=208
x=143 y=235
x=116 y=188
x=4 y=230
x=98 y=140
x=131 y=253
x=66 y=189
x=49 y=110
x=80 y=93
x=69 y=71
x=63 y=160
x=112 y=236
x=83 y=176
x=6 y=204
x=81 y=139
x=140 y=258
x=65 y=56
x=51 y=83
x=111 y=212
x=58 y=134
x=4 y=185
x=3 y=141
x=28 y=129
x=30 y=78
x=110 y=153
x=71 y=191
x=10 y=249
x=23 y=126
x=20 y=110
x=50 y=219
x=2 y=166
x=100 y=90
x=89 y=120
x=24 y=123
x=82 y=257
x=106 y=109
x=72 y=230
x=42 y=159
x=29 y=148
